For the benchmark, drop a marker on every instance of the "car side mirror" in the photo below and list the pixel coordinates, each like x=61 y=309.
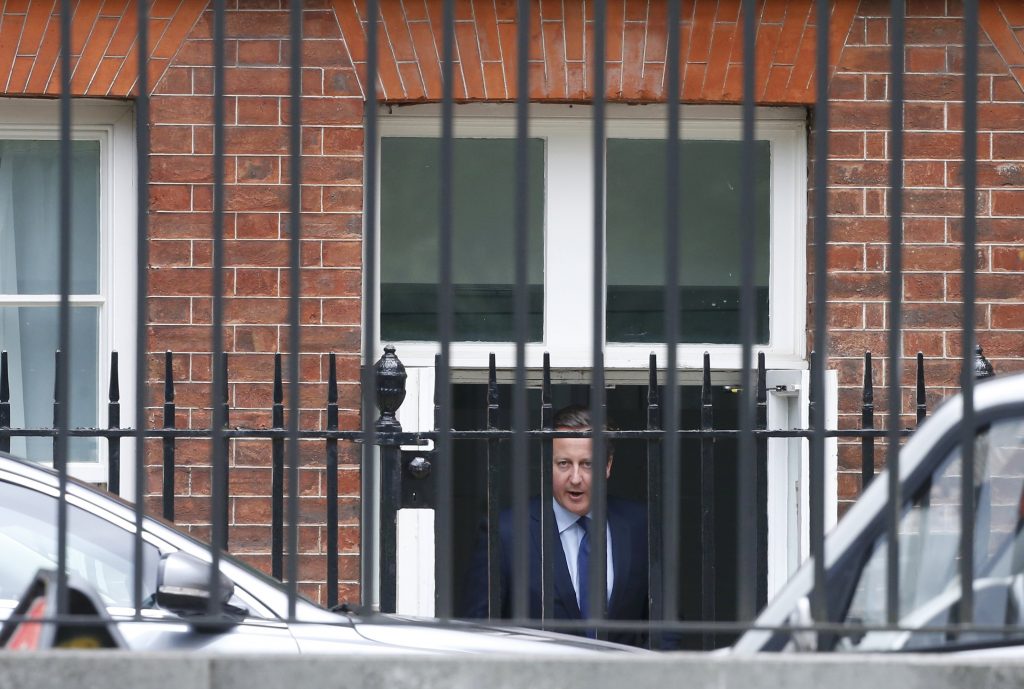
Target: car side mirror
x=183 y=586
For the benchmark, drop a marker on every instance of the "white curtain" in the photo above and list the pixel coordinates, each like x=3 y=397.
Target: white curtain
x=29 y=256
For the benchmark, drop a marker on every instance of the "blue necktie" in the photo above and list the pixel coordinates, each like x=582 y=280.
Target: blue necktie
x=583 y=572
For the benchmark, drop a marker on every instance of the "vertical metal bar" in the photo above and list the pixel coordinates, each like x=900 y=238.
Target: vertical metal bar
x=168 y=440
x=390 y=500
x=671 y=466
x=922 y=399
x=820 y=346
x=62 y=378
x=332 y=484
x=225 y=477
x=745 y=541
x=895 y=306
x=967 y=490
x=520 y=448
x=368 y=476
x=5 y=404
x=761 y=467
x=494 y=582
x=655 y=546
x=277 y=476
x=445 y=322
x=709 y=558
x=547 y=542
x=56 y=397
x=295 y=8
x=219 y=483
x=867 y=422
x=816 y=474
x=599 y=459
x=141 y=292
x=113 y=422
x=391 y=377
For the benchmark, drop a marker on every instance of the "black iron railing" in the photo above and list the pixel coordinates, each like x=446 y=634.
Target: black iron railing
x=407 y=477
x=383 y=381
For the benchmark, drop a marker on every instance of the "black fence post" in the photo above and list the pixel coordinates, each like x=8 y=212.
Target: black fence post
x=922 y=403
x=277 y=475
x=57 y=363
x=168 y=440
x=761 y=516
x=547 y=545
x=5 y=404
x=332 y=484
x=493 y=536
x=225 y=476
x=390 y=391
x=655 y=525
x=982 y=367
x=867 y=423
x=708 y=564
x=113 y=423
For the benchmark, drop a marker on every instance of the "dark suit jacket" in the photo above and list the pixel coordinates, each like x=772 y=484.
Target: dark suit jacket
x=627 y=522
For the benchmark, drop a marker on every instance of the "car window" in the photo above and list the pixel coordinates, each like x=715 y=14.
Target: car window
x=97 y=551
x=929 y=533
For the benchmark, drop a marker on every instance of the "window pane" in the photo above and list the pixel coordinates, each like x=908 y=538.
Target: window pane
x=709 y=242
x=97 y=551
x=30 y=217
x=483 y=238
x=29 y=334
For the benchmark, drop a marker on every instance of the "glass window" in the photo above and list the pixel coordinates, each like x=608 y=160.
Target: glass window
x=929 y=551
x=30 y=286
x=483 y=238
x=709 y=241
x=97 y=551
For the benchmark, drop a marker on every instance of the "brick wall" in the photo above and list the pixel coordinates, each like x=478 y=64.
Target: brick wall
x=256 y=170
x=858 y=176
x=256 y=255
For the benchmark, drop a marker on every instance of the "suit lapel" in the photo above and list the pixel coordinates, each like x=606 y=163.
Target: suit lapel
x=621 y=546
x=564 y=590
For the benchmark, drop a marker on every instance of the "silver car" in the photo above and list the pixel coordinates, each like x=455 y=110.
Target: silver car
x=929 y=542
x=175 y=567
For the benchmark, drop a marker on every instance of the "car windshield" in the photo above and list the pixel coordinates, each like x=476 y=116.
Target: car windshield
x=929 y=541
x=97 y=551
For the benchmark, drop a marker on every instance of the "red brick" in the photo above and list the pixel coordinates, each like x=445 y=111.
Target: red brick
x=932 y=202
x=858 y=285
x=258 y=170
x=260 y=52
x=1008 y=316
x=924 y=287
x=924 y=230
x=845 y=316
x=990 y=286
x=846 y=201
x=1005 y=202
x=1005 y=258
x=924 y=173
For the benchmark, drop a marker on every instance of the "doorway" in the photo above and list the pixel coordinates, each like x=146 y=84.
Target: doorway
x=627 y=409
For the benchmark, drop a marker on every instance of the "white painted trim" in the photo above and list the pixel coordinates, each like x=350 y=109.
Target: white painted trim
x=415 y=562
x=112 y=123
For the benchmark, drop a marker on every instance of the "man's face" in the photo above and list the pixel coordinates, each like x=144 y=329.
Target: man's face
x=570 y=473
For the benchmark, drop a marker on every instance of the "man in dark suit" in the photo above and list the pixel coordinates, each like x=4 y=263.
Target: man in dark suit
x=570 y=509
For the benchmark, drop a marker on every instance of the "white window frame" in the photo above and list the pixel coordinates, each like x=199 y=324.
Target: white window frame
x=568 y=223
x=112 y=124
x=568 y=322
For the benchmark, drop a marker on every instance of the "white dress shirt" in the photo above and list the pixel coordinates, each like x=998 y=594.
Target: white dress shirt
x=571 y=534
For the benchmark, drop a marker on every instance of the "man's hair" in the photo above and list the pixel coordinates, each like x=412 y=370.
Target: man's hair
x=576 y=417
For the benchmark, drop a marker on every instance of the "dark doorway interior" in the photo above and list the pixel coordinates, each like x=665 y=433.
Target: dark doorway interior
x=627 y=408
